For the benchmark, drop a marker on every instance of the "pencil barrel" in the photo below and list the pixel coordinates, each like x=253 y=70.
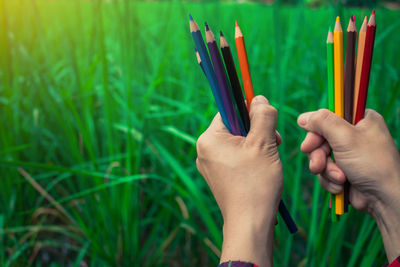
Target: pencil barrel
x=223 y=86
x=339 y=109
x=287 y=218
x=365 y=73
x=210 y=74
x=331 y=81
x=236 y=88
x=349 y=76
x=244 y=70
x=348 y=88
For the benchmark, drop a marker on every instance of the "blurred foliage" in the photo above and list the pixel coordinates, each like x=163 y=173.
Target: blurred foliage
x=101 y=103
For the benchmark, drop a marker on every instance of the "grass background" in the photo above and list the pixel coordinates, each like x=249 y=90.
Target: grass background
x=101 y=104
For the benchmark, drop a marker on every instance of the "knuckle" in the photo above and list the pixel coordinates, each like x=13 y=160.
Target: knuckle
x=265 y=111
x=200 y=166
x=202 y=144
x=334 y=122
x=322 y=182
x=323 y=114
x=372 y=120
x=327 y=185
x=198 y=163
x=378 y=117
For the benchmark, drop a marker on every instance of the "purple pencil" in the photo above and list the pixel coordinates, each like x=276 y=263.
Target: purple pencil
x=223 y=84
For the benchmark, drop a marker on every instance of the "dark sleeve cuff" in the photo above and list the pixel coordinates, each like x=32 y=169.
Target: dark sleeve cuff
x=237 y=264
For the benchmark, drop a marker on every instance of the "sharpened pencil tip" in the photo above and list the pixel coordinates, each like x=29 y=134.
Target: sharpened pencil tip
x=330 y=29
x=207 y=28
x=195 y=50
x=236 y=24
x=220 y=33
x=353 y=18
x=373 y=12
x=337 y=18
x=190 y=17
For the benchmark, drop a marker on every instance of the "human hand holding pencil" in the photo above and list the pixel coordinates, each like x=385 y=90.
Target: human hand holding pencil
x=245 y=176
x=367 y=156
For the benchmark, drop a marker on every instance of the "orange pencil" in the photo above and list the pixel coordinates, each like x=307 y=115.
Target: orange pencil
x=244 y=65
x=359 y=63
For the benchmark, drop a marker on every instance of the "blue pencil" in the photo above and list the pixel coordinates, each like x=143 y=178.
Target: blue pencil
x=199 y=60
x=287 y=218
x=291 y=225
x=208 y=69
x=222 y=82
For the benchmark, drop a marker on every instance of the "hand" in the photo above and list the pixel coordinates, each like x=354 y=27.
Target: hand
x=367 y=156
x=245 y=177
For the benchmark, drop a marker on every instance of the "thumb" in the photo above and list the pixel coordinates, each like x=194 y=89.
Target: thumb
x=327 y=124
x=217 y=125
x=262 y=121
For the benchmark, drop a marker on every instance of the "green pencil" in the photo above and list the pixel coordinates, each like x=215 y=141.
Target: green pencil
x=329 y=62
x=331 y=96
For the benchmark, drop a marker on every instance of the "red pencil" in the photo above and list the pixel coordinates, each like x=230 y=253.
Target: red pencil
x=366 y=68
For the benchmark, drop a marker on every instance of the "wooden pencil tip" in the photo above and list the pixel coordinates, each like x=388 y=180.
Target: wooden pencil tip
x=330 y=37
x=207 y=28
x=372 y=19
x=220 y=33
x=198 y=57
x=352 y=25
x=330 y=29
x=338 y=26
x=364 y=25
x=222 y=41
x=190 y=17
x=353 y=18
x=236 y=24
x=373 y=12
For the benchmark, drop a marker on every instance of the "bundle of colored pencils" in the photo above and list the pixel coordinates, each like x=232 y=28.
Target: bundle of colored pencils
x=226 y=88
x=347 y=92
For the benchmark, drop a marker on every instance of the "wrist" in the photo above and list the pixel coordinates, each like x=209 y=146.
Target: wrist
x=386 y=213
x=249 y=238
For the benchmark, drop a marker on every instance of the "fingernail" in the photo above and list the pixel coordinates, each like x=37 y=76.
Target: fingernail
x=303 y=118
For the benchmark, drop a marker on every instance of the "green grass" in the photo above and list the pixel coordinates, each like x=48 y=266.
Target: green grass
x=100 y=107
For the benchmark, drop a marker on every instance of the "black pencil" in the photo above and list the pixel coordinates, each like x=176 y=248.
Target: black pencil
x=235 y=84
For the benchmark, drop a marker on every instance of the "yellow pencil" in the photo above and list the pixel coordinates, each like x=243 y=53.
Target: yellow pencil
x=339 y=110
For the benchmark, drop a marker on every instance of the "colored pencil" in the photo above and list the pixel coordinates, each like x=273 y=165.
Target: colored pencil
x=216 y=58
x=366 y=68
x=338 y=61
x=244 y=65
x=287 y=218
x=248 y=89
x=222 y=82
x=360 y=55
x=331 y=96
x=348 y=87
x=235 y=84
x=330 y=68
x=208 y=69
x=199 y=61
